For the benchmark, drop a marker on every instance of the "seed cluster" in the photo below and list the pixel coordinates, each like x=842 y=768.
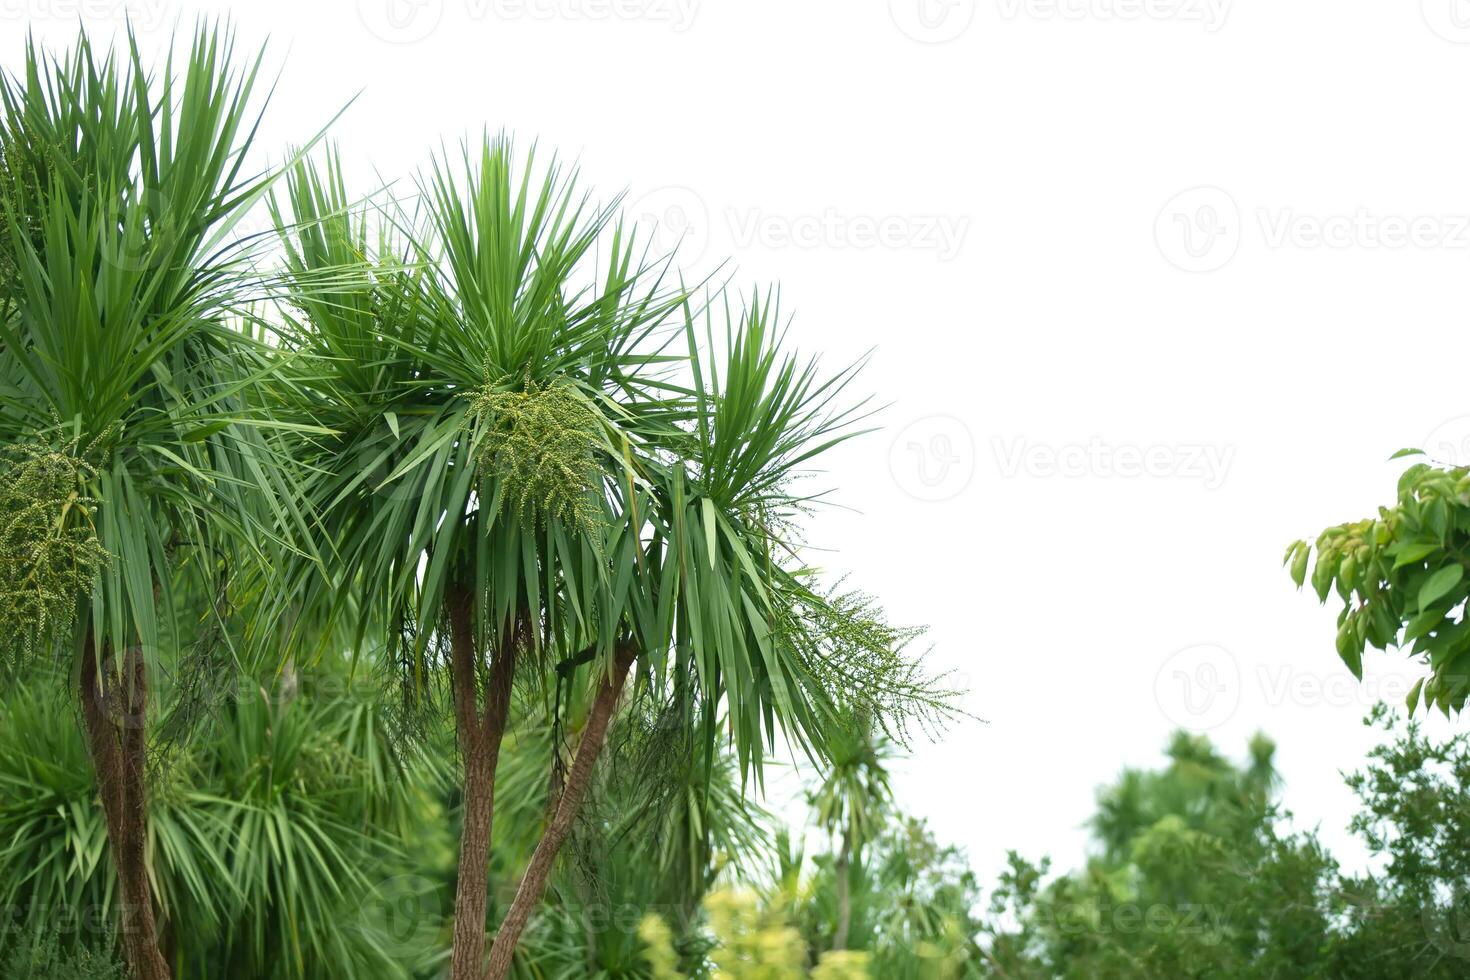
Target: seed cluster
x=539 y=443
x=49 y=549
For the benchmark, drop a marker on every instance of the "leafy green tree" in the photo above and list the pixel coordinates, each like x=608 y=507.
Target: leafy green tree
x=1200 y=786
x=543 y=470
x=127 y=467
x=1410 y=916
x=1401 y=580
x=1194 y=876
x=1191 y=879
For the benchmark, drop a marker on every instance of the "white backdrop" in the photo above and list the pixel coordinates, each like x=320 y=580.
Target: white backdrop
x=1156 y=286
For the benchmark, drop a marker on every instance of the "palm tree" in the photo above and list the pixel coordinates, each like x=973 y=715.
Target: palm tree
x=545 y=470
x=469 y=391
x=129 y=474
x=850 y=805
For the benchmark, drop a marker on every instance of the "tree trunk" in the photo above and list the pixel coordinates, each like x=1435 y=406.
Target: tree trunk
x=115 y=714
x=479 y=744
x=533 y=883
x=844 y=897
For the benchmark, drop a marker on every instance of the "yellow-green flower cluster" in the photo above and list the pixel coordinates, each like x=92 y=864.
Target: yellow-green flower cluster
x=49 y=550
x=658 y=943
x=751 y=946
x=751 y=942
x=540 y=443
x=844 y=964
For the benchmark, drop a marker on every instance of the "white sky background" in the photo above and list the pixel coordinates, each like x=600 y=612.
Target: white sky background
x=1001 y=197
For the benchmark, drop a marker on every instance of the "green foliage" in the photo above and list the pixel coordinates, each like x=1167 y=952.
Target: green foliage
x=1199 y=785
x=273 y=832
x=499 y=400
x=18 y=187
x=663 y=824
x=849 y=648
x=1401 y=580
x=49 y=548
x=912 y=901
x=47 y=958
x=851 y=800
x=597 y=489
x=123 y=183
x=429 y=470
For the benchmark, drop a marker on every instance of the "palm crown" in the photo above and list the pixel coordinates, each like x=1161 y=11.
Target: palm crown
x=587 y=453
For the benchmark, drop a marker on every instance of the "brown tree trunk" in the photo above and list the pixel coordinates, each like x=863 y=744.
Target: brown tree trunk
x=844 y=896
x=479 y=744
x=533 y=883
x=115 y=714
